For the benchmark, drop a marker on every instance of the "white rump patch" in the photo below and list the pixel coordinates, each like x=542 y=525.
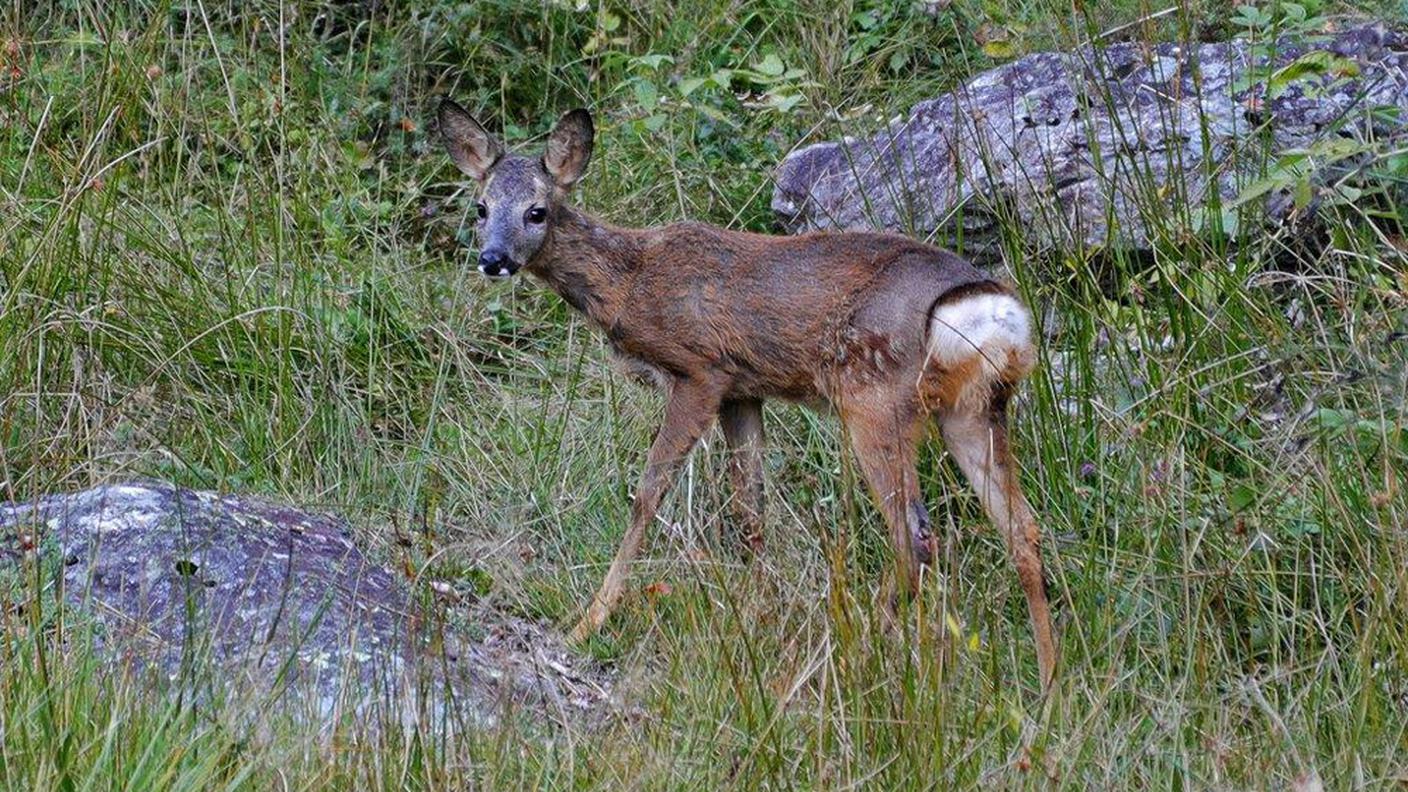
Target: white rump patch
x=988 y=325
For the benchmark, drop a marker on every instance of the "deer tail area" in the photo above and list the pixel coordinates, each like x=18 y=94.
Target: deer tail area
x=988 y=336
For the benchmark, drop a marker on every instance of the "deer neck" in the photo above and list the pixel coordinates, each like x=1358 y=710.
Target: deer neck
x=589 y=263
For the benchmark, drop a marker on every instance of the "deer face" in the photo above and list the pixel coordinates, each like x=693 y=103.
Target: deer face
x=518 y=195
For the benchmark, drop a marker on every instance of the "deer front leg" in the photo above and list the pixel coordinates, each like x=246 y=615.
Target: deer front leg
x=742 y=422
x=691 y=409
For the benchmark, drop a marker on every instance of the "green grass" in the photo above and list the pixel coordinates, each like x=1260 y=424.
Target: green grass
x=228 y=257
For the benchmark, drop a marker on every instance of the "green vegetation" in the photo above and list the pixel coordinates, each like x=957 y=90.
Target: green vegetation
x=228 y=257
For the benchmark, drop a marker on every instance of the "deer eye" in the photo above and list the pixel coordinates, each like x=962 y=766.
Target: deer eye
x=535 y=215
x=481 y=210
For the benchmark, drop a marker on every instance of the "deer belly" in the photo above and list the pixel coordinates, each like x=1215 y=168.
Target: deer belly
x=641 y=371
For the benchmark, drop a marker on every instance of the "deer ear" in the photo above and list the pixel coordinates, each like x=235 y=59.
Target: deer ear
x=569 y=148
x=473 y=149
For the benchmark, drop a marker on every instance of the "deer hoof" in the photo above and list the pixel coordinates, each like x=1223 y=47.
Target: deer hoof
x=923 y=543
x=584 y=630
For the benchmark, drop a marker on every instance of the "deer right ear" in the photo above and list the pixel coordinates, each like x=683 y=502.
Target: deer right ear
x=473 y=149
x=569 y=148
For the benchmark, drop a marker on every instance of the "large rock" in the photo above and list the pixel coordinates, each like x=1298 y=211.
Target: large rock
x=1102 y=147
x=274 y=602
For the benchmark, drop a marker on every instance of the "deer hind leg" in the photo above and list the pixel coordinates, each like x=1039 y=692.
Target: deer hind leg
x=687 y=415
x=885 y=440
x=742 y=422
x=982 y=345
x=979 y=444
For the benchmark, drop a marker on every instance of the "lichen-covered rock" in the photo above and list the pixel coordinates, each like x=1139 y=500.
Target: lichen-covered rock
x=279 y=601
x=1101 y=147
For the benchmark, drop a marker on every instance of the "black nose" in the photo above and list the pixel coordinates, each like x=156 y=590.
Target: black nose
x=494 y=263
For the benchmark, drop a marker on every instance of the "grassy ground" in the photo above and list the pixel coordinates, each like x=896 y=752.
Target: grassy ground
x=228 y=257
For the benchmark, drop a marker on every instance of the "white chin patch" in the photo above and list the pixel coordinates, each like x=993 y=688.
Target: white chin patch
x=990 y=325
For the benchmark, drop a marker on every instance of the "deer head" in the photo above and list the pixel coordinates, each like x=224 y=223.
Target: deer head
x=519 y=195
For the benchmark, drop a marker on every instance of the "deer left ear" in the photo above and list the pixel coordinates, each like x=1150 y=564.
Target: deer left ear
x=569 y=148
x=474 y=150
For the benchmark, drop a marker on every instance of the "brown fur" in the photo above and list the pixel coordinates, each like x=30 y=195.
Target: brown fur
x=723 y=319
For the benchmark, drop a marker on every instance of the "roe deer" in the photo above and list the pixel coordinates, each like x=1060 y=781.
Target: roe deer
x=885 y=330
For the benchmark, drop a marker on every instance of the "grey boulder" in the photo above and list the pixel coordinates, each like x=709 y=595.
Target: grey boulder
x=276 y=604
x=1107 y=147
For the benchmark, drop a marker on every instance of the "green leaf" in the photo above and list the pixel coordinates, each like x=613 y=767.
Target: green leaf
x=1312 y=64
x=899 y=60
x=714 y=114
x=784 y=103
x=1391 y=114
x=1231 y=222
x=1242 y=497
x=999 y=49
x=1276 y=180
x=1303 y=194
x=1334 y=422
x=1249 y=16
x=647 y=96
x=861 y=47
x=690 y=85
x=1203 y=220
x=653 y=61
x=771 y=66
